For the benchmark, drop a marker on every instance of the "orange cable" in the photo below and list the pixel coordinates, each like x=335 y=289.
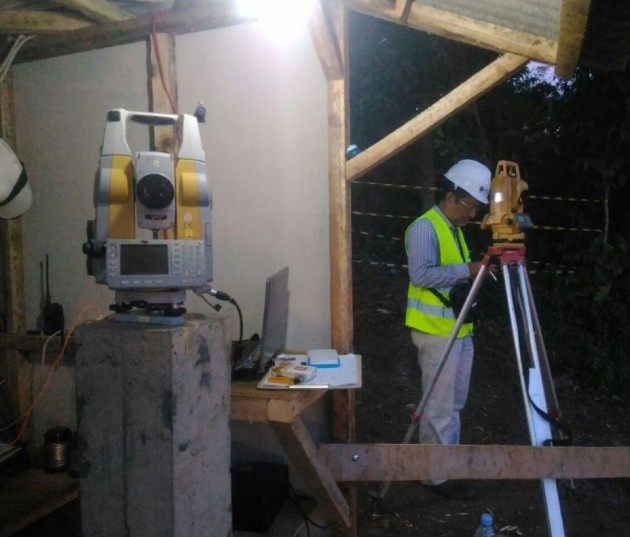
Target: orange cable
x=159 y=62
x=26 y=416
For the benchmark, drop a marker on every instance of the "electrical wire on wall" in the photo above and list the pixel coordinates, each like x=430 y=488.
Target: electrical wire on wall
x=158 y=59
x=15 y=48
x=25 y=417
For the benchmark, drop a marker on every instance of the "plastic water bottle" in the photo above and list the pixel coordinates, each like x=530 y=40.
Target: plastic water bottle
x=485 y=528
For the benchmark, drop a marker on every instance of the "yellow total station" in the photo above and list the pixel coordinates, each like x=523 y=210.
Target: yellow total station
x=506 y=217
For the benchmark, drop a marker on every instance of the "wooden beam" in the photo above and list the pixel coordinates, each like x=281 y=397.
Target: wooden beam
x=340 y=239
x=13 y=367
x=340 y=225
x=22 y=21
x=480 y=83
x=162 y=82
x=340 y=246
x=325 y=43
x=573 y=21
x=250 y=403
x=302 y=452
x=205 y=17
x=11 y=238
x=416 y=462
x=31 y=345
x=402 y=9
x=97 y=10
x=463 y=29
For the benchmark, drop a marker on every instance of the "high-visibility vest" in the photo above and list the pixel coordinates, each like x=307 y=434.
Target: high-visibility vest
x=425 y=311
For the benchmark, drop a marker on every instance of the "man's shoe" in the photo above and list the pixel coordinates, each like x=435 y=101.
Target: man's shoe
x=453 y=490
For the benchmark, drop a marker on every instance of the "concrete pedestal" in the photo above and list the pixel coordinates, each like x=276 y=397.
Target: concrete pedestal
x=153 y=407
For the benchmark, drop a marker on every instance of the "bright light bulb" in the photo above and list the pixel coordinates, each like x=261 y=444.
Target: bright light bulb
x=282 y=19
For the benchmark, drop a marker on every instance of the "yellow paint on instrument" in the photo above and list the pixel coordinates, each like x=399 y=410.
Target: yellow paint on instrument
x=188 y=214
x=122 y=216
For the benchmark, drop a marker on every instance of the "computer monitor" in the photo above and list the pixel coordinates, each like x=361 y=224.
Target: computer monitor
x=275 y=317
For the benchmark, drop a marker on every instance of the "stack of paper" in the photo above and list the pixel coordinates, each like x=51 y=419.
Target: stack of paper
x=347 y=375
x=323 y=358
x=291 y=370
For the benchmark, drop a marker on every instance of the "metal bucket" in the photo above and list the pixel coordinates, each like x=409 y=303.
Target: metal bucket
x=56 y=443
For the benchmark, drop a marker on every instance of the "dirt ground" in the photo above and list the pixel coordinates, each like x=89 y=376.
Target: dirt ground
x=493 y=415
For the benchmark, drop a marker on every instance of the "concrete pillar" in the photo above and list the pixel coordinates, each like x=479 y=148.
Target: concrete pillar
x=153 y=408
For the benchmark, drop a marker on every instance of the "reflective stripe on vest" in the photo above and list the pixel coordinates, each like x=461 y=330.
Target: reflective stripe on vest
x=425 y=312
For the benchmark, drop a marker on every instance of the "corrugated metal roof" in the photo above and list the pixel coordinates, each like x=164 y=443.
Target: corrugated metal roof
x=539 y=17
x=488 y=23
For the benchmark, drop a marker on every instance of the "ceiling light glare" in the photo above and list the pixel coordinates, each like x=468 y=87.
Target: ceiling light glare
x=282 y=19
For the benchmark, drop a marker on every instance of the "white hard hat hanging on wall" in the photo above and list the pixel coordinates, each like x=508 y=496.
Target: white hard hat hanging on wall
x=15 y=193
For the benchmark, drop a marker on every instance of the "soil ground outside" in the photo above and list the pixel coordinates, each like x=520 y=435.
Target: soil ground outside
x=493 y=415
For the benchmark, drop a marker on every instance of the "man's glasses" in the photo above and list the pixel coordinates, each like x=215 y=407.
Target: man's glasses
x=469 y=207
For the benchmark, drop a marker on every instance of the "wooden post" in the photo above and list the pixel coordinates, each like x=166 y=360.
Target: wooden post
x=162 y=88
x=14 y=368
x=333 y=55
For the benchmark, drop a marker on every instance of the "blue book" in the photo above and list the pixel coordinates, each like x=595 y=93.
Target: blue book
x=323 y=358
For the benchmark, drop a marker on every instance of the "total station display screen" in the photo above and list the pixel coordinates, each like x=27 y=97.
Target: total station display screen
x=138 y=259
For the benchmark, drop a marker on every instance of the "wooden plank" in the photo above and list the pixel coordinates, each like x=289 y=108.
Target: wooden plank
x=162 y=76
x=573 y=21
x=204 y=17
x=14 y=368
x=245 y=409
x=29 y=343
x=251 y=404
x=415 y=462
x=288 y=410
x=30 y=22
x=402 y=9
x=32 y=494
x=97 y=10
x=300 y=449
x=463 y=29
x=340 y=226
x=340 y=244
x=325 y=43
x=467 y=92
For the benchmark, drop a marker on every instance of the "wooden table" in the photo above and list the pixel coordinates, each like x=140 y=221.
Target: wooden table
x=35 y=493
x=282 y=409
x=32 y=494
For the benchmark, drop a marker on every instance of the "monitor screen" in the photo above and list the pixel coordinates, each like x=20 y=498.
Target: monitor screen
x=275 y=317
x=139 y=259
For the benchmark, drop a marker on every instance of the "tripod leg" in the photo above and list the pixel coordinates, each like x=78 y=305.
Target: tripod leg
x=552 y=398
x=447 y=349
x=533 y=389
x=517 y=343
x=453 y=336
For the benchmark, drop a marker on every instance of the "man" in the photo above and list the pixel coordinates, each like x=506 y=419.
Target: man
x=438 y=258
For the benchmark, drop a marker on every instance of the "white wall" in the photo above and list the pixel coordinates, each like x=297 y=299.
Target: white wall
x=266 y=154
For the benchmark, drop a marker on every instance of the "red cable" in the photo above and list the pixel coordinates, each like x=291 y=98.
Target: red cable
x=27 y=415
x=159 y=62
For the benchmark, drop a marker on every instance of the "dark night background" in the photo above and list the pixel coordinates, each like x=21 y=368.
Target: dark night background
x=570 y=139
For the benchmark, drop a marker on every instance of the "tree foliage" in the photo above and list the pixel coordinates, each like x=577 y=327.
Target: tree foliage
x=571 y=140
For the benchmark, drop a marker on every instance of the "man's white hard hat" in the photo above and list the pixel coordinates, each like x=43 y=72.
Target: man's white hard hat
x=471 y=176
x=15 y=193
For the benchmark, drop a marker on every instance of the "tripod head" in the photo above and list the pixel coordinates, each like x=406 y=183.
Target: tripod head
x=506 y=217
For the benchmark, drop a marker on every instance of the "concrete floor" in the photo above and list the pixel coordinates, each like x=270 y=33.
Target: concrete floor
x=66 y=522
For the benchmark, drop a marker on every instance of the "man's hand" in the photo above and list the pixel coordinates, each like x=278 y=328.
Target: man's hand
x=475 y=266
